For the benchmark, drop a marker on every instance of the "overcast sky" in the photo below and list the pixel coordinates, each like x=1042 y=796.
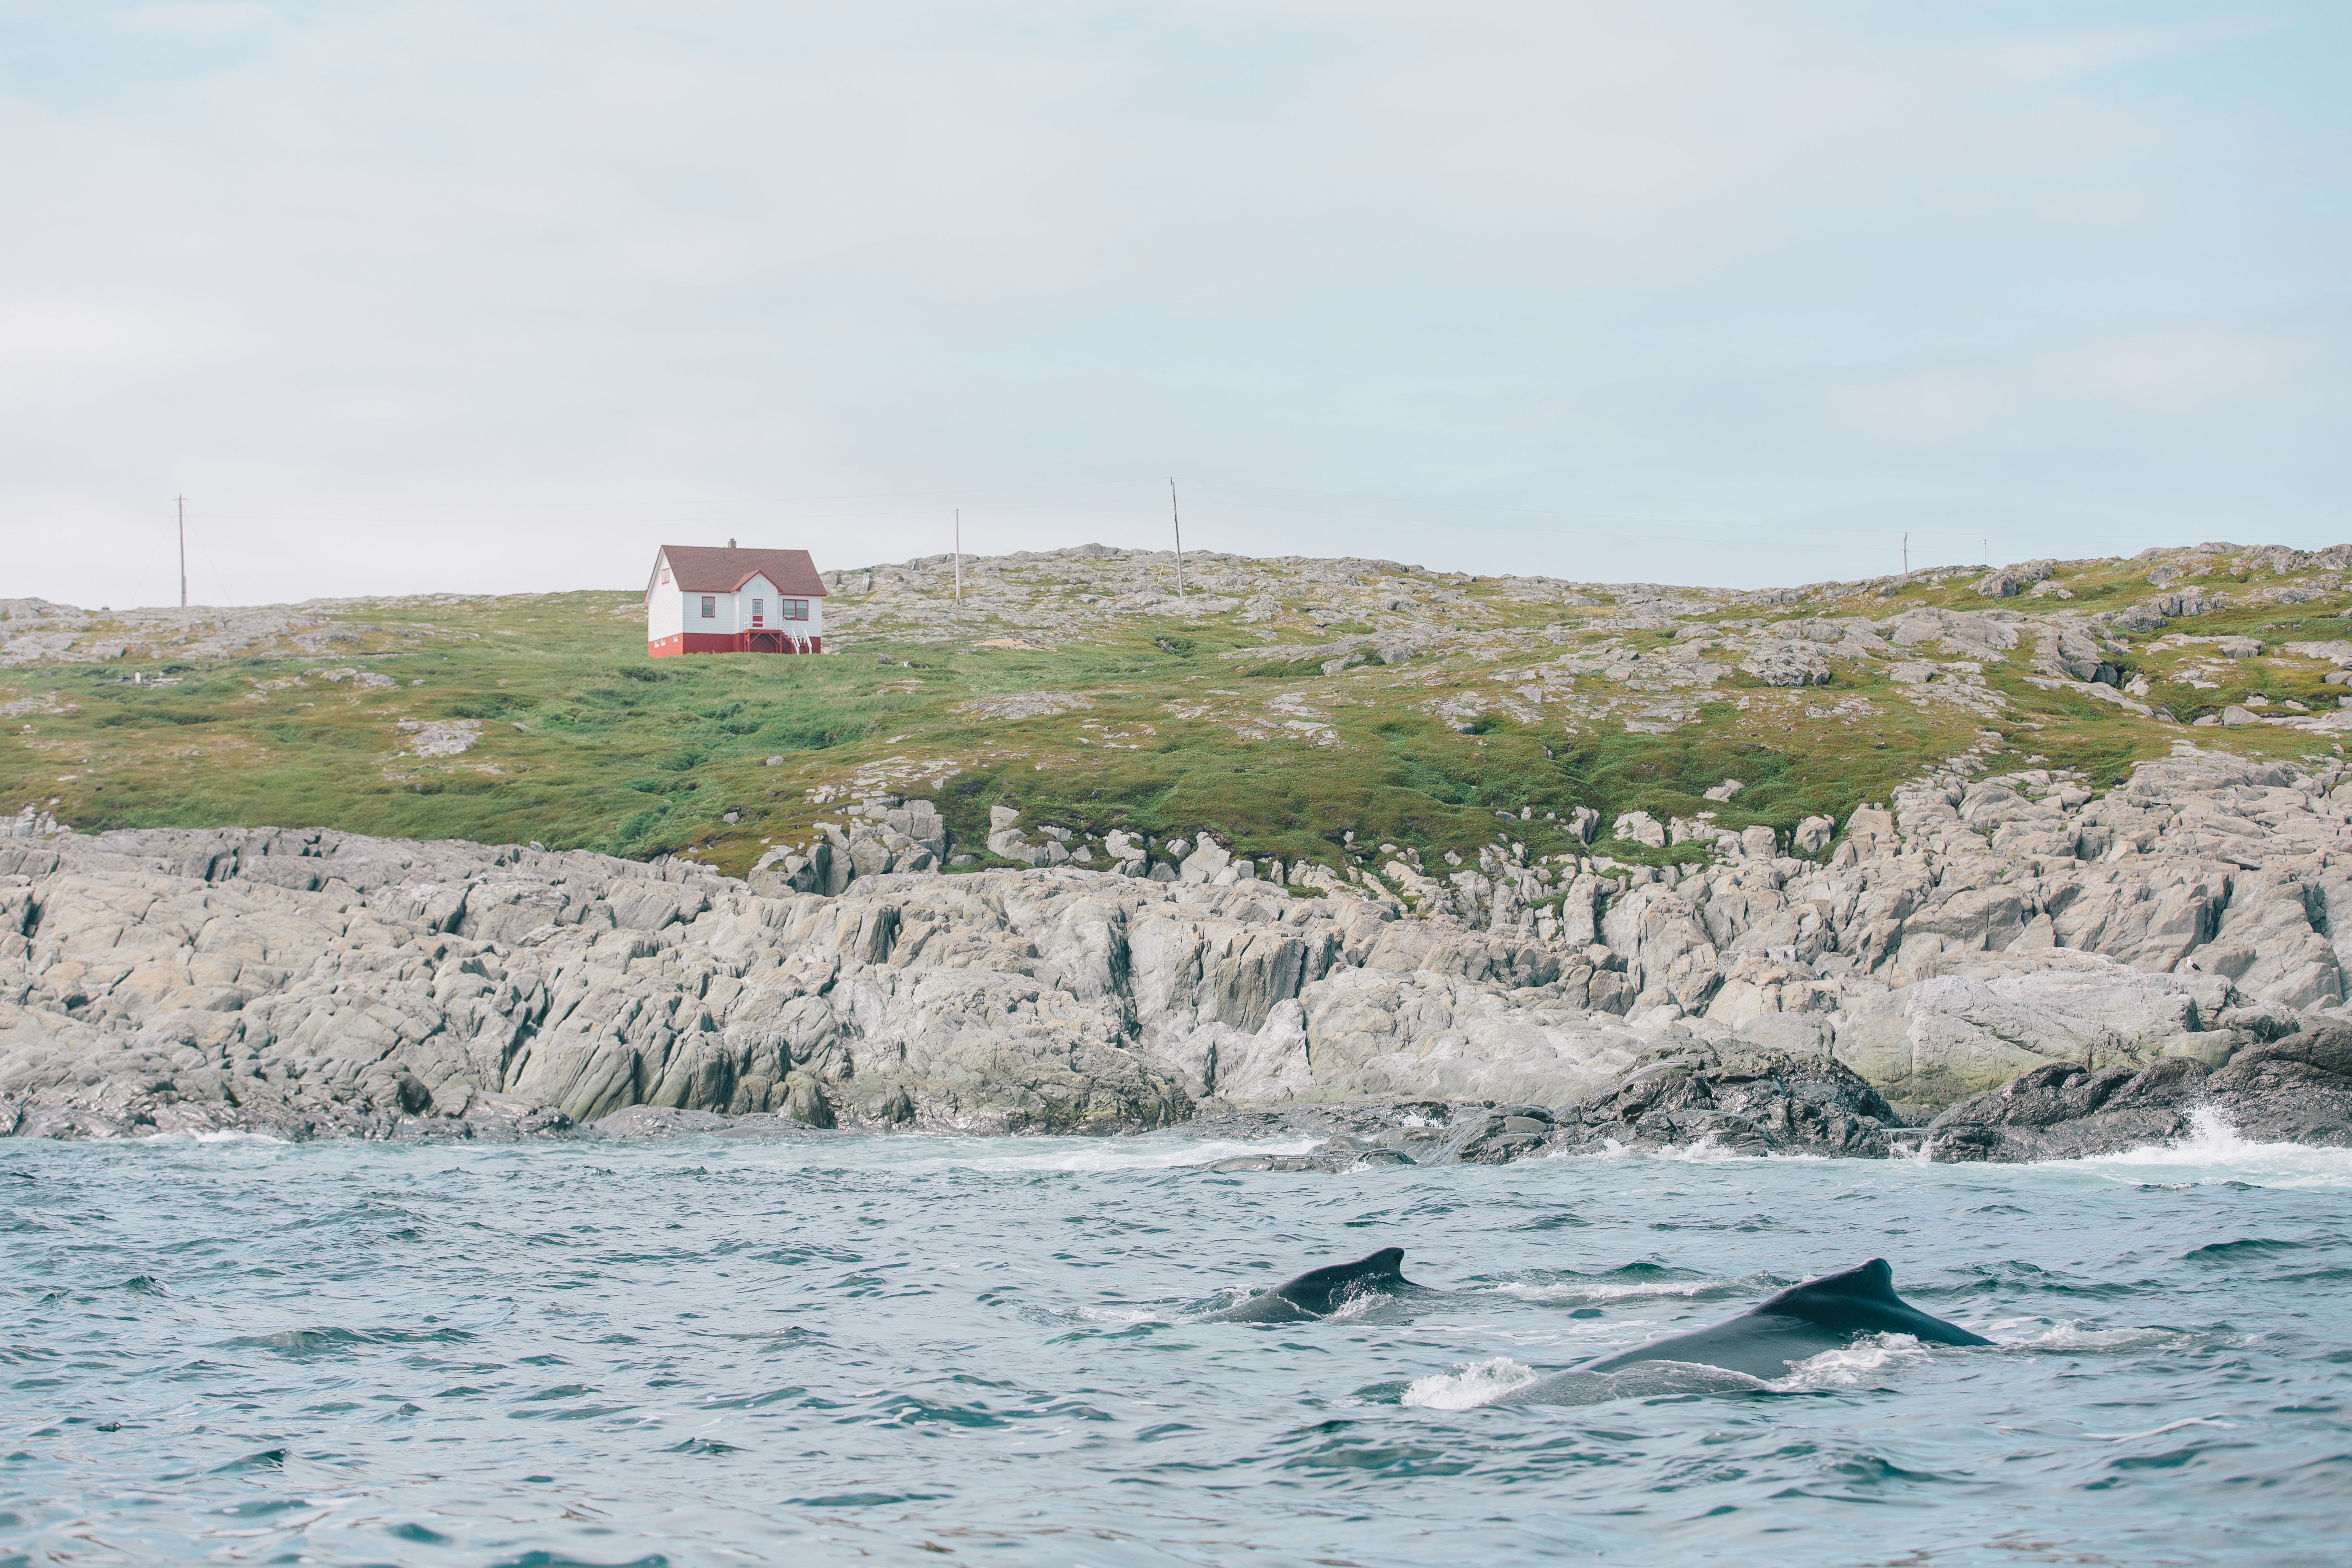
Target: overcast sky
x=496 y=295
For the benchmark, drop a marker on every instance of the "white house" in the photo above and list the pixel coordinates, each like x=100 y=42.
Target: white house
x=703 y=599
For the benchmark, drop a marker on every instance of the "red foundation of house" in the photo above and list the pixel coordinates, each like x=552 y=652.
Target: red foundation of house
x=757 y=641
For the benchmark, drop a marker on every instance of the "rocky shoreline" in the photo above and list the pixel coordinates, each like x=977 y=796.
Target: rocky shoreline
x=1982 y=969
x=2294 y=1090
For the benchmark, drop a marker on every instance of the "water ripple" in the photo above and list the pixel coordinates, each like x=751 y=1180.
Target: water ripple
x=860 y=1349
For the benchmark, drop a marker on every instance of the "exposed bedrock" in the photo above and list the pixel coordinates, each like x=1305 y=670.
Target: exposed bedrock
x=2176 y=934
x=2294 y=1090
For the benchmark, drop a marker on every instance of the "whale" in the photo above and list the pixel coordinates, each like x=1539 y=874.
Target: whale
x=1801 y=1322
x=1320 y=1292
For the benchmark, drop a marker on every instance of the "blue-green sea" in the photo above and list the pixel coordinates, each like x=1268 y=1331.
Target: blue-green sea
x=916 y=1349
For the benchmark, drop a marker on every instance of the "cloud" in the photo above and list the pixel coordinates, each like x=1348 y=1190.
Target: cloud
x=422 y=295
x=65 y=347
x=2157 y=381
x=2170 y=374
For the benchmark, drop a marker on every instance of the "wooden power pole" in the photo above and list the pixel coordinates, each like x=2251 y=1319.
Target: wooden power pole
x=959 y=554
x=183 y=553
x=1177 y=519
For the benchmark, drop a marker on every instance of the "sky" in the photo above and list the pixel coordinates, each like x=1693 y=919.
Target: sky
x=498 y=295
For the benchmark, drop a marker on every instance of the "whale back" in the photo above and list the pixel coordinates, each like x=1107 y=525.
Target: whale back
x=1320 y=1292
x=1802 y=1321
x=1323 y=1291
x=1863 y=1301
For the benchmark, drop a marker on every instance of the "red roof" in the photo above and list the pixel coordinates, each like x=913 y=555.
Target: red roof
x=712 y=569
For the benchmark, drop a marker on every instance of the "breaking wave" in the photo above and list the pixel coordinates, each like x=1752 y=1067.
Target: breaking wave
x=2214 y=1152
x=1470 y=1385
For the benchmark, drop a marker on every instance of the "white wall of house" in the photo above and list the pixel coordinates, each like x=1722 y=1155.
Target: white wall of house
x=759 y=592
x=669 y=611
x=723 y=621
x=665 y=616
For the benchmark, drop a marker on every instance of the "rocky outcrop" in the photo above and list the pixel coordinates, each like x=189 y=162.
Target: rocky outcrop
x=2297 y=1089
x=1739 y=1097
x=1941 y=1039
x=884 y=835
x=1743 y=1100
x=1974 y=934
x=314 y=983
x=2011 y=580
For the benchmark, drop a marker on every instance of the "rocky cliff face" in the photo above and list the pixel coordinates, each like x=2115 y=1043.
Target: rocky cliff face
x=1971 y=934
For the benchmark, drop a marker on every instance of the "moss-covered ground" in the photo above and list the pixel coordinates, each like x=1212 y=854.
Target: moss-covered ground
x=584 y=742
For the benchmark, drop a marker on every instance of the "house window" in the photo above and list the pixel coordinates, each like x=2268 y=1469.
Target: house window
x=710 y=605
x=793 y=609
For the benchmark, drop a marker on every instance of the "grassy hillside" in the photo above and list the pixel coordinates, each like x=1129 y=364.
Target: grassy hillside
x=1157 y=715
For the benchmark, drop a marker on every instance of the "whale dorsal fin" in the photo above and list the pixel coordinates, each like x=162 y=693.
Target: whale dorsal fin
x=1319 y=1288
x=1873 y=1282
x=1862 y=1301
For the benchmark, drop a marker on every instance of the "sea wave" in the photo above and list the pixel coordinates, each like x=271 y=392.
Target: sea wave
x=1574 y=1292
x=783 y=1343
x=1866 y=1358
x=1702 y=1150
x=2072 y=1335
x=1079 y=1156
x=1470 y=1385
x=214 y=1135
x=2214 y=1152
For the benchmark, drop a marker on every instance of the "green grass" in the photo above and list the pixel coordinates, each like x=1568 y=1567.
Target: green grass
x=585 y=742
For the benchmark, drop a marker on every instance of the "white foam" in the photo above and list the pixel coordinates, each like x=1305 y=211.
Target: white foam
x=1865 y=1358
x=1702 y=1150
x=919 y=1153
x=1114 y=1314
x=1469 y=1384
x=1128 y=1154
x=1358 y=1304
x=221 y=1135
x=1643 y=1380
x=2213 y=1152
x=2071 y=1335
x=1581 y=1290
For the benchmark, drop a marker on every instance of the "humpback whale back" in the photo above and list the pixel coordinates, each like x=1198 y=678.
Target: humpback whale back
x=1802 y=1321
x=1320 y=1292
x=1863 y=1301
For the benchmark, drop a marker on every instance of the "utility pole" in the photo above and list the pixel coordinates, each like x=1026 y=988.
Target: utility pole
x=1177 y=519
x=958 y=553
x=1906 y=555
x=183 y=553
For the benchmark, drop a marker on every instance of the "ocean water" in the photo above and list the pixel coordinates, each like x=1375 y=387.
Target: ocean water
x=919 y=1348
